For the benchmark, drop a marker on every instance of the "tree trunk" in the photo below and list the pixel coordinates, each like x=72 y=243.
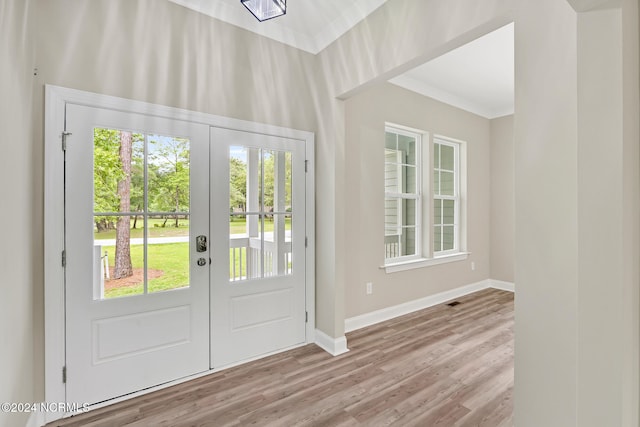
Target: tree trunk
x=123 y=267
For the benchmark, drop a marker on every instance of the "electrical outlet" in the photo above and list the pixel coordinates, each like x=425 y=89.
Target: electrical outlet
x=473 y=266
x=369 y=288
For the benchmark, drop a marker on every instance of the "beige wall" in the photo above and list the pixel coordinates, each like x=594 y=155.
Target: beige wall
x=577 y=188
x=399 y=35
x=20 y=252
x=366 y=114
x=502 y=199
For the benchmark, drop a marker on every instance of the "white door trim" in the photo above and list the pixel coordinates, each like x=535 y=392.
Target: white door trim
x=56 y=99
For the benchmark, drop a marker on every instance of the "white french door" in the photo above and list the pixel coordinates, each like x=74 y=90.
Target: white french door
x=185 y=249
x=137 y=309
x=258 y=274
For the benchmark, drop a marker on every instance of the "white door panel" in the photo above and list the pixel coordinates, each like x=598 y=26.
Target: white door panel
x=258 y=269
x=120 y=343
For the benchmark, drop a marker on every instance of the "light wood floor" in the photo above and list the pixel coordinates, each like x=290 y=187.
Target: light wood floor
x=443 y=366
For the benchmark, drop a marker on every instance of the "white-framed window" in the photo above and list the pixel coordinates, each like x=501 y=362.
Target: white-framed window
x=423 y=199
x=446 y=197
x=402 y=194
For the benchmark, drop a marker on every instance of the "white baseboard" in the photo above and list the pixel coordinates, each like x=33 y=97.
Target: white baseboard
x=368 y=319
x=333 y=346
x=502 y=285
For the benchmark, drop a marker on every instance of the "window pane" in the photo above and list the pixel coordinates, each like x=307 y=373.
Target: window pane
x=448 y=212
x=410 y=179
x=392 y=178
x=437 y=211
x=392 y=244
x=407 y=146
x=118 y=268
x=446 y=183
x=436 y=182
x=390 y=141
x=408 y=241
x=409 y=210
x=447 y=157
x=436 y=156
x=447 y=237
x=168 y=174
x=118 y=171
x=391 y=213
x=437 y=238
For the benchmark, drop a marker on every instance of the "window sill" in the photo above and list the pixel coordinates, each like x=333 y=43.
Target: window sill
x=424 y=262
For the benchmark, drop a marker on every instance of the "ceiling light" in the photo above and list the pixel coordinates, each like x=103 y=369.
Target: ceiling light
x=266 y=9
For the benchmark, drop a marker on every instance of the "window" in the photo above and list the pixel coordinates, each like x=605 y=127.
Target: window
x=402 y=194
x=446 y=197
x=421 y=230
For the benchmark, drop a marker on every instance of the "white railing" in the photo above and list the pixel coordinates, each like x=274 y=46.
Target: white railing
x=245 y=261
x=391 y=246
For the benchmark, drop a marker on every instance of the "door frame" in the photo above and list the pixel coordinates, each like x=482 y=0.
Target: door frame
x=56 y=98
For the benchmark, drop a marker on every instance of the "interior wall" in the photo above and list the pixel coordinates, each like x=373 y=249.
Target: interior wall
x=21 y=235
x=502 y=199
x=366 y=114
x=576 y=333
x=398 y=36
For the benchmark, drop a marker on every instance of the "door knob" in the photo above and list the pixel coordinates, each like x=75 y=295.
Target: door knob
x=202 y=262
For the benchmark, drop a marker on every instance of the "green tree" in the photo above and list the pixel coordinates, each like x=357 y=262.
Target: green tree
x=123 y=267
x=169 y=175
x=237 y=183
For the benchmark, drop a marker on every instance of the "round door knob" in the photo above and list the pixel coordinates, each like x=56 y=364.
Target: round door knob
x=202 y=261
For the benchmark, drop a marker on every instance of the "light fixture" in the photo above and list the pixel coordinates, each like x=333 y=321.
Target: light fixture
x=266 y=9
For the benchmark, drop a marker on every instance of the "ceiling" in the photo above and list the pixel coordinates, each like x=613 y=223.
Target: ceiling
x=477 y=77
x=308 y=25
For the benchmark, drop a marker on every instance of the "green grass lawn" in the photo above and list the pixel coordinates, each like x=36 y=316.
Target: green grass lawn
x=171 y=258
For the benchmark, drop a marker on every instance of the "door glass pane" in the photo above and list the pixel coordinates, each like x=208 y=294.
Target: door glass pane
x=238 y=180
x=118 y=262
x=146 y=176
x=259 y=242
x=277 y=245
x=168 y=253
x=168 y=174
x=118 y=171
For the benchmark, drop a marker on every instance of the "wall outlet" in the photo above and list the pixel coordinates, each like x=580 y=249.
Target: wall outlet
x=473 y=266
x=369 y=288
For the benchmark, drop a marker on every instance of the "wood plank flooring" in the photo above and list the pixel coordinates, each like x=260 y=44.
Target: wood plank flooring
x=443 y=366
